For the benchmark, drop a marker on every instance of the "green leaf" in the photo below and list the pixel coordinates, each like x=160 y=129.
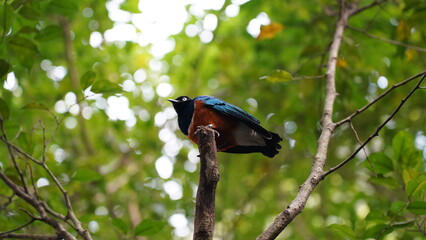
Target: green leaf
x=403 y=147
x=29 y=12
x=403 y=224
x=378 y=231
x=397 y=206
x=416 y=186
x=278 y=76
x=120 y=225
x=381 y=163
x=49 y=33
x=4 y=68
x=87 y=175
x=343 y=230
x=22 y=45
x=417 y=207
x=4 y=110
x=7 y=14
x=23 y=50
x=67 y=8
x=409 y=174
x=105 y=86
x=26 y=143
x=87 y=79
x=130 y=6
x=387 y=181
x=149 y=227
x=38 y=106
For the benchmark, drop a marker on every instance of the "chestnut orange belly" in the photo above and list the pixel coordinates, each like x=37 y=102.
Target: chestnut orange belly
x=224 y=125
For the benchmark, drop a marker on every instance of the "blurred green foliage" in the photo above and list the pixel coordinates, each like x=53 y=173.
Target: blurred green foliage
x=108 y=164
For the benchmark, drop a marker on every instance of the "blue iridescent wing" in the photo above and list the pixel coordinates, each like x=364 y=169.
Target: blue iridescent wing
x=234 y=111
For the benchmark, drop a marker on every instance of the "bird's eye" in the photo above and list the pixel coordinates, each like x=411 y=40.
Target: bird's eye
x=184 y=99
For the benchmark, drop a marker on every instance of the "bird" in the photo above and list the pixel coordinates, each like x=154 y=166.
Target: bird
x=237 y=131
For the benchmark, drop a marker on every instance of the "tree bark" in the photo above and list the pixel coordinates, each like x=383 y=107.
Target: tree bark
x=209 y=177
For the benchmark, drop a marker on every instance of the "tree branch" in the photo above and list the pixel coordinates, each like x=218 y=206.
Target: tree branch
x=209 y=177
x=363 y=149
x=37 y=204
x=29 y=236
x=47 y=215
x=66 y=32
x=12 y=157
x=376 y=132
x=17 y=228
x=361 y=9
x=357 y=112
x=387 y=40
x=347 y=9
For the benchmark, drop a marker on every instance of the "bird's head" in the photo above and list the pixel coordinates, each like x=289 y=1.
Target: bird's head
x=181 y=102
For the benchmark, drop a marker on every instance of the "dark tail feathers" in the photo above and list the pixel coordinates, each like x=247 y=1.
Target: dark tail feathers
x=269 y=150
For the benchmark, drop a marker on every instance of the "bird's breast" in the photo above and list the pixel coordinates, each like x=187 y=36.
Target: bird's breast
x=224 y=125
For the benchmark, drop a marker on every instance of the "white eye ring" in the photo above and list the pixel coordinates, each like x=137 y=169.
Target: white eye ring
x=184 y=99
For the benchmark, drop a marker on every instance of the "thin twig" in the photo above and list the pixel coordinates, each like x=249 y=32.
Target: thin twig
x=29 y=213
x=357 y=112
x=32 y=180
x=70 y=213
x=363 y=149
x=37 y=204
x=40 y=205
x=373 y=4
x=8 y=202
x=308 y=77
x=20 y=151
x=12 y=156
x=387 y=40
x=18 y=228
x=376 y=132
x=392 y=220
x=44 y=141
x=30 y=236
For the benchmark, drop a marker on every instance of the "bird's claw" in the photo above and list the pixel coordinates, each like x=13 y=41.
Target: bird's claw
x=210 y=126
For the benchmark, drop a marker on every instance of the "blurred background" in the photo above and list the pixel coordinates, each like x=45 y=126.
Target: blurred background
x=96 y=75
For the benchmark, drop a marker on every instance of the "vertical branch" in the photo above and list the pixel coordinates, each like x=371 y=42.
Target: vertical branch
x=12 y=157
x=305 y=190
x=66 y=32
x=209 y=177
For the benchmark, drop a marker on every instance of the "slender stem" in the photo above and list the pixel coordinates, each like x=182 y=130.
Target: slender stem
x=299 y=202
x=387 y=40
x=66 y=32
x=357 y=112
x=373 y=4
x=12 y=156
x=363 y=149
x=30 y=236
x=40 y=205
x=18 y=228
x=376 y=132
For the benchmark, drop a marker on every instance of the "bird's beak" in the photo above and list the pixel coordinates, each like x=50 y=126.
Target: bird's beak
x=173 y=100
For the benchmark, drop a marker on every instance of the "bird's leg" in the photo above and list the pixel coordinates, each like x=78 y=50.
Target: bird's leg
x=211 y=126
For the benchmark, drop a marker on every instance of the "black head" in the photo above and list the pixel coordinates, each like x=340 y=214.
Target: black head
x=184 y=107
x=181 y=103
